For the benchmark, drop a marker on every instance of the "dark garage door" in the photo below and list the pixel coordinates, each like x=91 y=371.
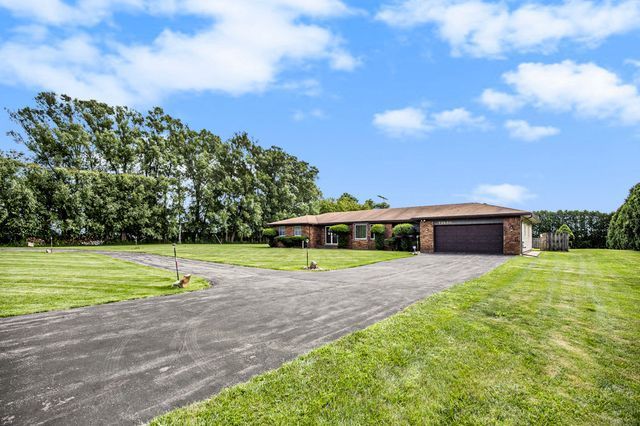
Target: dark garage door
x=469 y=238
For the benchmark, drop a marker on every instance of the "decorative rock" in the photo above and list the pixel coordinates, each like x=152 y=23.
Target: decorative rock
x=184 y=281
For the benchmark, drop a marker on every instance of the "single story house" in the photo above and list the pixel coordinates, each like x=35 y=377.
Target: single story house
x=458 y=228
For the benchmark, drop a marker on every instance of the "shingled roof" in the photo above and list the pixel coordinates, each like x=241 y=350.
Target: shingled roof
x=405 y=214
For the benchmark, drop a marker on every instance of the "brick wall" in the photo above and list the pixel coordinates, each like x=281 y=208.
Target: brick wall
x=359 y=244
x=317 y=237
x=426 y=236
x=512 y=243
x=388 y=230
x=314 y=233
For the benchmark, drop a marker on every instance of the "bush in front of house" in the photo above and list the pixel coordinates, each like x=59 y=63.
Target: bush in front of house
x=378 y=235
x=270 y=234
x=405 y=236
x=390 y=243
x=291 y=240
x=343 y=232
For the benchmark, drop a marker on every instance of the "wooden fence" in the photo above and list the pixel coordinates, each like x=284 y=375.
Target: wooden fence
x=535 y=242
x=550 y=241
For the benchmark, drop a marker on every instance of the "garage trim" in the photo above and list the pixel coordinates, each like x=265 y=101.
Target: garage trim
x=467 y=222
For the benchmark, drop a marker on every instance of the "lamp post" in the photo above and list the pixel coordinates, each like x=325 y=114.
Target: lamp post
x=175 y=258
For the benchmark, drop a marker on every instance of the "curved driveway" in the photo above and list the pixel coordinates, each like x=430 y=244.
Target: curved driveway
x=126 y=362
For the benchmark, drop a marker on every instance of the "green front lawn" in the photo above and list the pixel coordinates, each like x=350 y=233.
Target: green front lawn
x=263 y=256
x=37 y=282
x=547 y=340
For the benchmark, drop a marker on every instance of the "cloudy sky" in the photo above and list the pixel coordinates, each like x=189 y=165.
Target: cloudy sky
x=531 y=104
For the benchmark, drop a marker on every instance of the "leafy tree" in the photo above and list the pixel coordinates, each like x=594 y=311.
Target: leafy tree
x=347 y=202
x=18 y=207
x=624 y=230
x=286 y=185
x=174 y=182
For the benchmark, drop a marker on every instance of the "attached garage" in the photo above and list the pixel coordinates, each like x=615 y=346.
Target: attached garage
x=469 y=238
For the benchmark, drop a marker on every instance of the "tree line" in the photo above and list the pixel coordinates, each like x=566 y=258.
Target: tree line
x=589 y=228
x=347 y=202
x=95 y=171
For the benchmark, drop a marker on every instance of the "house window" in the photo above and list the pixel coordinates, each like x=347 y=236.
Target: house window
x=330 y=238
x=281 y=230
x=297 y=230
x=360 y=231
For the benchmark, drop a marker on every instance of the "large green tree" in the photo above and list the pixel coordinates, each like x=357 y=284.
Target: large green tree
x=624 y=230
x=154 y=177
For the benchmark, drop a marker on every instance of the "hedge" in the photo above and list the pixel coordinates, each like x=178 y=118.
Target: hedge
x=403 y=229
x=291 y=241
x=377 y=229
x=269 y=233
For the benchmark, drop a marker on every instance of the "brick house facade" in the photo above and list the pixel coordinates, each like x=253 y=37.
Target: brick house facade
x=470 y=227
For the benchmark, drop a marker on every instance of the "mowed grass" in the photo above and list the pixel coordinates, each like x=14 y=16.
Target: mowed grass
x=37 y=282
x=549 y=340
x=263 y=256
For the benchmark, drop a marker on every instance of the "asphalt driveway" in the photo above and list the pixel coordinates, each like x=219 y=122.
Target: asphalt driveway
x=126 y=362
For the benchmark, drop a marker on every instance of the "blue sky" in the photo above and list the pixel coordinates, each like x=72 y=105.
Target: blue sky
x=531 y=104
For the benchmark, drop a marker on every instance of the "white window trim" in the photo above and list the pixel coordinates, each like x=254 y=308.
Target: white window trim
x=325 y=238
x=366 y=228
x=284 y=230
x=297 y=231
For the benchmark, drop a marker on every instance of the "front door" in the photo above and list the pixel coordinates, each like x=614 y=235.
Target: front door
x=330 y=238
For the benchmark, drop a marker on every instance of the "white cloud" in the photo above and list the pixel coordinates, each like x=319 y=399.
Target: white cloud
x=501 y=194
x=307 y=87
x=520 y=129
x=496 y=101
x=300 y=115
x=245 y=49
x=342 y=60
x=584 y=89
x=402 y=122
x=458 y=117
x=413 y=121
x=57 y=12
x=482 y=28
